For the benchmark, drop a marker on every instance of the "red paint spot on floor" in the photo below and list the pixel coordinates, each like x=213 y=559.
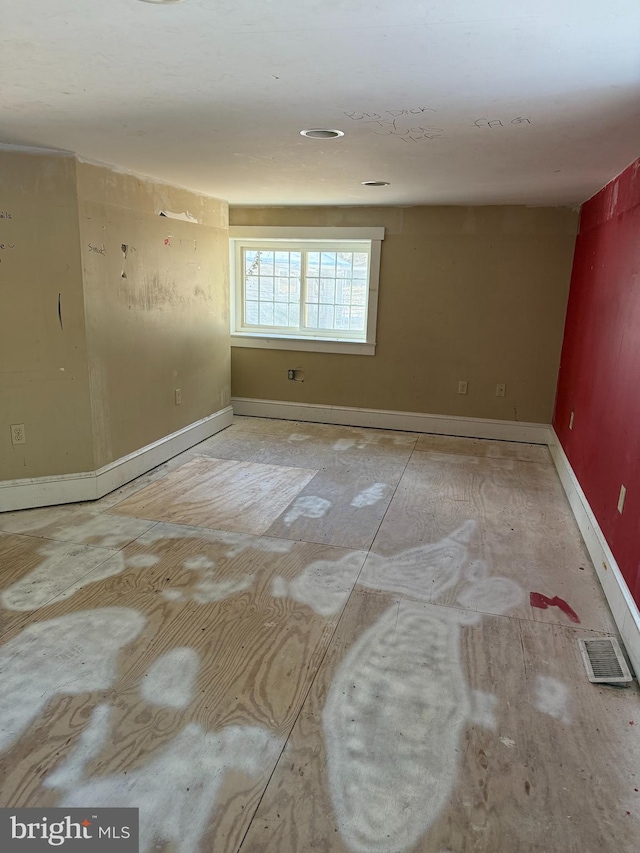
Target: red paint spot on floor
x=537 y=599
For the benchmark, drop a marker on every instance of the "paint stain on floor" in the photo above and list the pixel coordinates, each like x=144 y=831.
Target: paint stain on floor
x=537 y=599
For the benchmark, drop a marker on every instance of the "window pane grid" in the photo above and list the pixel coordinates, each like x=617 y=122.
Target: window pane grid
x=272 y=288
x=311 y=291
x=336 y=291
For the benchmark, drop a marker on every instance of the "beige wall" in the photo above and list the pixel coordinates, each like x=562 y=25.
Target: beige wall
x=157 y=312
x=475 y=293
x=43 y=360
x=98 y=381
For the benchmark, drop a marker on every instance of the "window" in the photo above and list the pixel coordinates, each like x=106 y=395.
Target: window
x=305 y=289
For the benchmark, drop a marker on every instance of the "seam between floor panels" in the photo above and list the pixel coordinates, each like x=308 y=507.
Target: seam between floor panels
x=319 y=667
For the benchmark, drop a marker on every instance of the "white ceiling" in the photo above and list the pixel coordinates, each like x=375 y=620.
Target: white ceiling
x=212 y=94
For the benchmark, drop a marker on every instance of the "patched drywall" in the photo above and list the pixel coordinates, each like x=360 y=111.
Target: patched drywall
x=157 y=307
x=43 y=361
x=466 y=293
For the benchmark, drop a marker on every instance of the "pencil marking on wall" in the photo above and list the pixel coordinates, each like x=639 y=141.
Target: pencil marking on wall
x=403 y=124
x=59 y=576
x=307 y=506
x=323 y=585
x=176 y=788
x=399 y=700
x=552 y=698
x=170 y=680
x=72 y=654
x=491 y=123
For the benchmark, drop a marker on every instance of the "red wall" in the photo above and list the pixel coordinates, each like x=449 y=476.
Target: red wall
x=600 y=367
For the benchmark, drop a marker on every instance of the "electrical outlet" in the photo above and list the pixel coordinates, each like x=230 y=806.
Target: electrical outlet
x=571 y=420
x=178 y=396
x=621 y=498
x=291 y=374
x=462 y=386
x=501 y=390
x=17 y=434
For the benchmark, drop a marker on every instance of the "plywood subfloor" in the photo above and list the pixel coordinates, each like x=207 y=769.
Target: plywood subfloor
x=220 y=493
x=293 y=651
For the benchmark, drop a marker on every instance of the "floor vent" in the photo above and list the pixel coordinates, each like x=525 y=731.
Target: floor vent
x=604 y=661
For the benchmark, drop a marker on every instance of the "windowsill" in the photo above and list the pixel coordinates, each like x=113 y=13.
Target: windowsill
x=281 y=342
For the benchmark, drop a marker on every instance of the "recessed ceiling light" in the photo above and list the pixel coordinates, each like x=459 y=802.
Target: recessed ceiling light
x=375 y=183
x=321 y=133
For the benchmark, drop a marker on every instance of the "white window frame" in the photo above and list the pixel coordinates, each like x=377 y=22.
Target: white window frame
x=286 y=237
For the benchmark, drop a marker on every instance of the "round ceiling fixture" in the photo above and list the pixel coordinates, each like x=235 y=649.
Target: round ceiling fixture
x=375 y=183
x=321 y=133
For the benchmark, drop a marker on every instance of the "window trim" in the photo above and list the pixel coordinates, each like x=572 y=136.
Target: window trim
x=306 y=342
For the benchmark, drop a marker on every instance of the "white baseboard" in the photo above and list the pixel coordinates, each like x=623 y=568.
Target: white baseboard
x=385 y=419
x=90 y=485
x=623 y=607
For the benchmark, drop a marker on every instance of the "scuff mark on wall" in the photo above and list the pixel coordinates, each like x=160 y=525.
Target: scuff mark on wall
x=60 y=310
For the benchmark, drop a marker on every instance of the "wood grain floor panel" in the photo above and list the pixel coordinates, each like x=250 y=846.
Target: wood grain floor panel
x=34 y=572
x=407 y=699
x=79 y=525
x=118 y=495
x=483 y=448
x=343 y=450
x=220 y=636
x=514 y=777
x=219 y=493
x=337 y=508
x=523 y=531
